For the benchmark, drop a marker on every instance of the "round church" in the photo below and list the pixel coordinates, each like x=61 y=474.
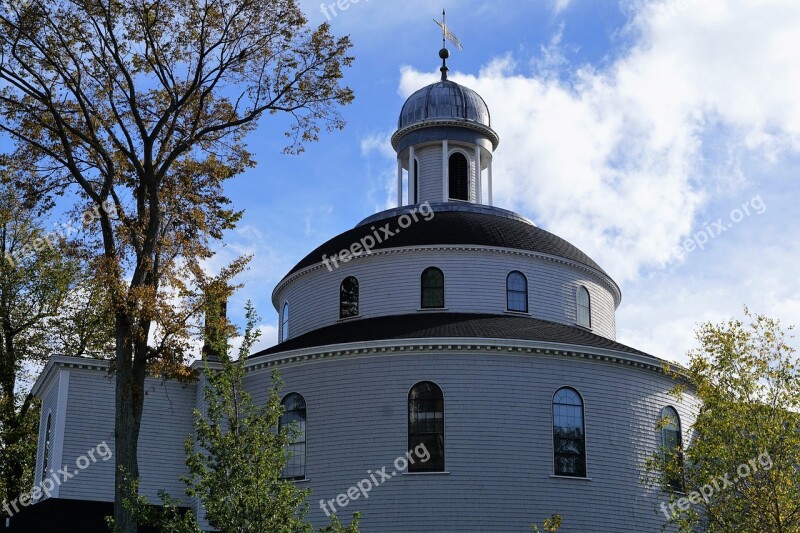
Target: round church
x=451 y=367
x=454 y=368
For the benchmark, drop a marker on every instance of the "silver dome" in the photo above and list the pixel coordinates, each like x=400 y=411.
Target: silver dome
x=444 y=100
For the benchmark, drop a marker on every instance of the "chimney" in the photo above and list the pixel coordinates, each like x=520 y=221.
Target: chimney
x=216 y=324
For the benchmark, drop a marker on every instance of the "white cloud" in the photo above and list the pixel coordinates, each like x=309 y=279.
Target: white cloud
x=561 y=5
x=617 y=160
x=697 y=114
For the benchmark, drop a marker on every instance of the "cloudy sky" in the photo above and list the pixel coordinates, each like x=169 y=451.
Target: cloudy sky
x=660 y=137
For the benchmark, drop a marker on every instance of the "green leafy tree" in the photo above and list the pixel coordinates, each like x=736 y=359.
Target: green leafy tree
x=42 y=289
x=550 y=525
x=741 y=468
x=237 y=453
x=144 y=105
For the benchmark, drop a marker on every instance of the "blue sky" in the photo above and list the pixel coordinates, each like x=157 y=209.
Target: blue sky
x=627 y=127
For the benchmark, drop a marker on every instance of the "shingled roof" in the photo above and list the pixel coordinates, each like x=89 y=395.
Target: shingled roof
x=460 y=228
x=446 y=325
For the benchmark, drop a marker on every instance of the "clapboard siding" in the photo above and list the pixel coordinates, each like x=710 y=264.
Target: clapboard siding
x=475 y=282
x=166 y=422
x=430 y=173
x=498 y=440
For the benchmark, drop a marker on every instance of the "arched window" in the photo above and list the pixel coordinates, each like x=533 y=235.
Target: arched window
x=569 y=441
x=285 y=322
x=294 y=407
x=426 y=425
x=348 y=297
x=432 y=283
x=672 y=446
x=416 y=181
x=584 y=307
x=517 y=292
x=458 y=177
x=46 y=447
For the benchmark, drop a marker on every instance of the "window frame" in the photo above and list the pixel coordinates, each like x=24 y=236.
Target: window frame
x=292 y=442
x=581 y=289
x=47 y=444
x=357 y=297
x=417 y=466
x=509 y=291
x=423 y=288
x=676 y=484
x=285 y=322
x=584 y=472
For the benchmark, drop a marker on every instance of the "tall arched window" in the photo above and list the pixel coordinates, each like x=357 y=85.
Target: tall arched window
x=458 y=177
x=584 y=307
x=517 y=292
x=672 y=446
x=46 y=447
x=569 y=440
x=432 y=288
x=348 y=297
x=285 y=322
x=294 y=407
x=416 y=181
x=426 y=425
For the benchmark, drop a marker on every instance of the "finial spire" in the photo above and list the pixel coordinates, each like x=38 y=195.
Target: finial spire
x=447 y=35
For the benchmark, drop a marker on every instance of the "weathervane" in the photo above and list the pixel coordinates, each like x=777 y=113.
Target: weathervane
x=447 y=35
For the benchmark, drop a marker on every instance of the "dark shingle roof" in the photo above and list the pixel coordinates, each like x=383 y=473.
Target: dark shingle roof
x=455 y=228
x=437 y=325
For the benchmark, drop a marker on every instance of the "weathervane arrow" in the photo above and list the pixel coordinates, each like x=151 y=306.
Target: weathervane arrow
x=447 y=35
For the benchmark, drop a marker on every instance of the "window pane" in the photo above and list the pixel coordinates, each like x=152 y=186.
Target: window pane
x=294 y=413
x=285 y=322
x=458 y=177
x=584 y=314
x=426 y=425
x=569 y=454
x=432 y=288
x=348 y=298
x=517 y=292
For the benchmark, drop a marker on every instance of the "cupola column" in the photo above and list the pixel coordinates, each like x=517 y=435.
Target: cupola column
x=445 y=172
x=399 y=183
x=478 y=198
x=490 y=182
x=412 y=189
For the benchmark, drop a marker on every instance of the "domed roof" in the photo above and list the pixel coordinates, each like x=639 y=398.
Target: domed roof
x=444 y=100
x=455 y=228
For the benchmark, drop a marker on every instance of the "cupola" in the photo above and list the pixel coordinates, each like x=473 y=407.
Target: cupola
x=444 y=143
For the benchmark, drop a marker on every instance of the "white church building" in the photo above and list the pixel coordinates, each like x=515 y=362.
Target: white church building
x=450 y=354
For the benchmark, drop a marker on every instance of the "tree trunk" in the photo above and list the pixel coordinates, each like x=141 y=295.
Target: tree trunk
x=129 y=401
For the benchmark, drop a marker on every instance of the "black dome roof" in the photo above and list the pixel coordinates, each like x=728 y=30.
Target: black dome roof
x=454 y=228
